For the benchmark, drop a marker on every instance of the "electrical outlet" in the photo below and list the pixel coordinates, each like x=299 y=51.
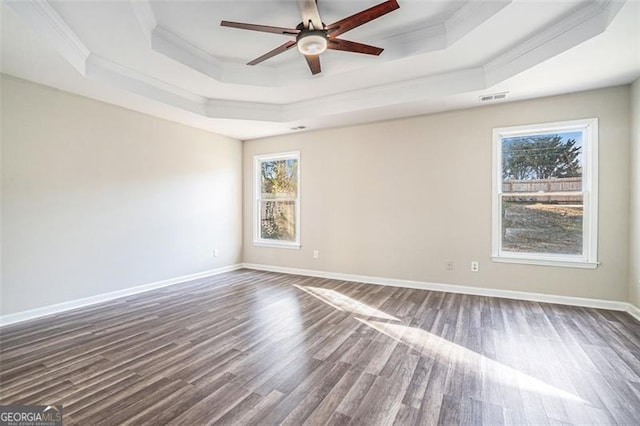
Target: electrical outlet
x=449 y=265
x=475 y=266
x=216 y=252
x=316 y=254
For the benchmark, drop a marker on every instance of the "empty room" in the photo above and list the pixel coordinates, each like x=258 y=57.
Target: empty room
x=301 y=212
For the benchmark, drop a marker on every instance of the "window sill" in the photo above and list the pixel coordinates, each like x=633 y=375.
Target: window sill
x=566 y=263
x=290 y=246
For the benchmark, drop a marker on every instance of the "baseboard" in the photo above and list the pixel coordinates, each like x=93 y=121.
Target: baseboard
x=634 y=311
x=104 y=297
x=453 y=288
x=421 y=285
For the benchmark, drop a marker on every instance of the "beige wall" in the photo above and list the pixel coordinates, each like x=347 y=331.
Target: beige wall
x=375 y=202
x=634 y=159
x=96 y=198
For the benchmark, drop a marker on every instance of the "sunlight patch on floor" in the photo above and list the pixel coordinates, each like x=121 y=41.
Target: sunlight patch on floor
x=345 y=303
x=433 y=346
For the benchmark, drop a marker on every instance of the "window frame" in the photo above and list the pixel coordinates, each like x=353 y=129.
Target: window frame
x=589 y=257
x=257 y=198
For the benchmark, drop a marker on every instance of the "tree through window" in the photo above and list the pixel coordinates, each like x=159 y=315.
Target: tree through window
x=277 y=205
x=544 y=206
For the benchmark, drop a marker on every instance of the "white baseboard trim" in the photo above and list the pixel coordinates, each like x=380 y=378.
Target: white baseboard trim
x=634 y=311
x=454 y=288
x=421 y=285
x=105 y=297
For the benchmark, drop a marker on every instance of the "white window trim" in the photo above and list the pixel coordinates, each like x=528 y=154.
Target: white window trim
x=257 y=174
x=589 y=258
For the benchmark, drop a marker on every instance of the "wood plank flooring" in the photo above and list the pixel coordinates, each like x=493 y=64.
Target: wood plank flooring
x=262 y=348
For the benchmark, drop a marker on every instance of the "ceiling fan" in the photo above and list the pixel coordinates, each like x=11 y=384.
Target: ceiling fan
x=313 y=37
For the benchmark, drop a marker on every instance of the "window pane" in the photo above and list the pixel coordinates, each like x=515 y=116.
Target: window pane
x=279 y=179
x=542 y=223
x=278 y=220
x=545 y=187
x=542 y=163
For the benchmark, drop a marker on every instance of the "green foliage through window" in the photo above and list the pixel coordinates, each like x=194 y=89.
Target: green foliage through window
x=541 y=157
x=278 y=199
x=279 y=178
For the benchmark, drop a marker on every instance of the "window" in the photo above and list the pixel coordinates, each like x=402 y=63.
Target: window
x=277 y=200
x=545 y=188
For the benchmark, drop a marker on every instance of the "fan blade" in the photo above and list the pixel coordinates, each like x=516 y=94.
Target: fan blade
x=352 y=46
x=314 y=63
x=363 y=17
x=278 y=50
x=309 y=12
x=261 y=28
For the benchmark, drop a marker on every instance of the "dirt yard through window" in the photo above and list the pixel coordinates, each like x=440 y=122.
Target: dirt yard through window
x=542 y=228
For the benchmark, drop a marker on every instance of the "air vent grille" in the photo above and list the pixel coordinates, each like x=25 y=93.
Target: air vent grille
x=493 y=97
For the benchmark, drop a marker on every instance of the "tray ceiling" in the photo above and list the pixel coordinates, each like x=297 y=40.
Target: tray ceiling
x=174 y=60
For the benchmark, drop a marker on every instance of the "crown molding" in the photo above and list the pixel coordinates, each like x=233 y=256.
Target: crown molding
x=444 y=34
x=168 y=44
x=425 y=39
x=584 y=22
x=106 y=71
x=145 y=16
x=611 y=8
x=389 y=94
x=219 y=108
x=42 y=18
x=469 y=17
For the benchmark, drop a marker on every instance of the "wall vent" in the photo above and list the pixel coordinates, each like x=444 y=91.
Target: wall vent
x=493 y=97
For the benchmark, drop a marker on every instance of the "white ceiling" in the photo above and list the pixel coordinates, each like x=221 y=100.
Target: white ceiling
x=172 y=59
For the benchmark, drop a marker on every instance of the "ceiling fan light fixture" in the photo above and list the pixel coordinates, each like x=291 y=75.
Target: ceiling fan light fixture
x=312 y=42
x=313 y=36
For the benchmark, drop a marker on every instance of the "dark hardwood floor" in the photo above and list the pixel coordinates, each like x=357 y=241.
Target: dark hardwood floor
x=263 y=348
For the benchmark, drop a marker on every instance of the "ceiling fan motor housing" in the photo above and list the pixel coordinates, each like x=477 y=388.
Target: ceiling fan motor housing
x=312 y=42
